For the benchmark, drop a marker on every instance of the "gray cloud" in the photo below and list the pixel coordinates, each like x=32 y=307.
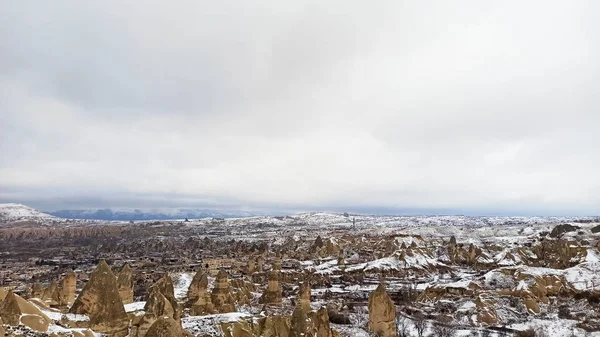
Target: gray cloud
x=303 y=105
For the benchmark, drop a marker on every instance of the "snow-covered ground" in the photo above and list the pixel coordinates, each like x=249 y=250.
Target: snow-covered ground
x=181 y=283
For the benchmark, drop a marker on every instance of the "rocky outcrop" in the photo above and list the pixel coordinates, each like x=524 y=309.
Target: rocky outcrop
x=69 y=286
x=274 y=326
x=259 y=264
x=321 y=321
x=100 y=300
x=53 y=296
x=276 y=265
x=241 y=290
x=305 y=322
x=157 y=306
x=165 y=285
x=15 y=310
x=125 y=283
x=559 y=230
x=166 y=327
x=382 y=313
x=272 y=294
x=1 y=327
x=221 y=296
x=199 y=300
x=301 y=324
x=37 y=290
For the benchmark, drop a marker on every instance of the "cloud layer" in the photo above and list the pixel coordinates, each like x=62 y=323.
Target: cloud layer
x=489 y=107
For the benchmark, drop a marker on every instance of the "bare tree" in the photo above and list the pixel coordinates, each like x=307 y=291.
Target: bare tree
x=402 y=328
x=361 y=317
x=444 y=329
x=420 y=323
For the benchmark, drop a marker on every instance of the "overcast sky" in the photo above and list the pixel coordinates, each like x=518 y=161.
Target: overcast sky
x=486 y=107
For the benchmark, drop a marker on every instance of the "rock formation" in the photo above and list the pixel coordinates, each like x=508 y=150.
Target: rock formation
x=166 y=327
x=276 y=266
x=199 y=300
x=157 y=306
x=100 y=300
x=305 y=322
x=272 y=294
x=125 y=283
x=165 y=285
x=37 y=291
x=382 y=313
x=301 y=324
x=221 y=294
x=69 y=287
x=15 y=310
x=54 y=296
x=259 y=264
x=251 y=266
x=321 y=321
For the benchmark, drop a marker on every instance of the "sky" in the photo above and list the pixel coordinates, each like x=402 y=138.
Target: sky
x=475 y=107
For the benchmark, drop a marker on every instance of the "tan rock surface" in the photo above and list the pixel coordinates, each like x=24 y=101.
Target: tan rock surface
x=69 y=287
x=221 y=296
x=100 y=300
x=272 y=294
x=125 y=283
x=382 y=313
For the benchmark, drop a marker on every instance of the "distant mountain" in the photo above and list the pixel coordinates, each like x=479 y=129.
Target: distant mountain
x=136 y=214
x=15 y=212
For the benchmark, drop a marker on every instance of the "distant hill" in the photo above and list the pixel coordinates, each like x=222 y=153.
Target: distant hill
x=16 y=212
x=127 y=215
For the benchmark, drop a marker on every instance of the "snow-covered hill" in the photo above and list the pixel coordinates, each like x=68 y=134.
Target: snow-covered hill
x=16 y=212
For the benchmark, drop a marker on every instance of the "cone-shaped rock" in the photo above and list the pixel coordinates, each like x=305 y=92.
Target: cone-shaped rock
x=37 y=291
x=259 y=264
x=53 y=296
x=15 y=310
x=321 y=321
x=301 y=323
x=9 y=310
x=277 y=264
x=100 y=300
x=382 y=313
x=157 y=306
x=199 y=283
x=199 y=300
x=69 y=286
x=273 y=293
x=303 y=298
x=125 y=283
x=221 y=294
x=166 y=327
x=165 y=285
